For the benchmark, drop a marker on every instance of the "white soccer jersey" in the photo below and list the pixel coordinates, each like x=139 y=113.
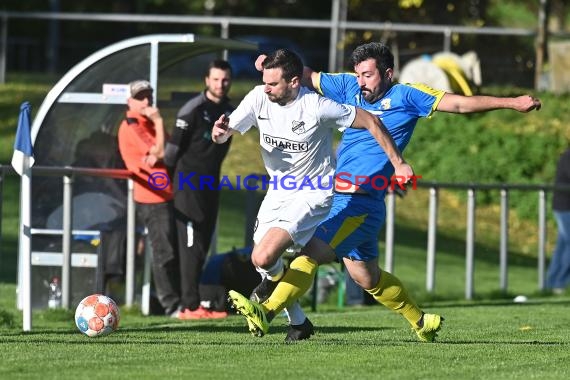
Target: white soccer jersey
x=296 y=139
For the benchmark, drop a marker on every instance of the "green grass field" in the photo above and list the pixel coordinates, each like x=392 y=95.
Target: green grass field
x=488 y=337
x=494 y=340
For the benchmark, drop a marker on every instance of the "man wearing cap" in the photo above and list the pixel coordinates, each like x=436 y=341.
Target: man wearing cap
x=141 y=143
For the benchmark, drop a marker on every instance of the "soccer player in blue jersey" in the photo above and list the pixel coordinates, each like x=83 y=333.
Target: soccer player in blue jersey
x=295 y=128
x=350 y=231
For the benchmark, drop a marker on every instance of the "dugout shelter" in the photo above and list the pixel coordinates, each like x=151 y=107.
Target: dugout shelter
x=76 y=126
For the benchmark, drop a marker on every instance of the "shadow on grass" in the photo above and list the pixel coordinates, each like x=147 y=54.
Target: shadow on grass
x=323 y=337
x=506 y=342
x=510 y=303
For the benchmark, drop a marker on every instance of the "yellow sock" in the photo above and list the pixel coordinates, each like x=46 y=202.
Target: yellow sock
x=391 y=293
x=296 y=281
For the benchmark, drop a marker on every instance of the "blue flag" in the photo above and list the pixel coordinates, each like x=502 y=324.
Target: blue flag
x=23 y=143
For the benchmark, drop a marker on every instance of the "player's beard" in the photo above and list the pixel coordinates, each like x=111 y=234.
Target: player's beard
x=282 y=100
x=369 y=96
x=218 y=94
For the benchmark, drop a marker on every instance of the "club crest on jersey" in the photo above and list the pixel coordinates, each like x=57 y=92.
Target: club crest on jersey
x=286 y=145
x=385 y=104
x=298 y=127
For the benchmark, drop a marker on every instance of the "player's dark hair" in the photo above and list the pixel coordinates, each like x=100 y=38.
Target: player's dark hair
x=287 y=61
x=219 y=64
x=376 y=50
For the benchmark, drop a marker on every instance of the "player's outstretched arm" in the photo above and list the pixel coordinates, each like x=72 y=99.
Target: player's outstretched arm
x=364 y=119
x=454 y=103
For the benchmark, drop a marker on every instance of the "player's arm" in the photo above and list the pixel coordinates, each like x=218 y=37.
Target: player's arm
x=454 y=103
x=310 y=78
x=221 y=131
x=364 y=119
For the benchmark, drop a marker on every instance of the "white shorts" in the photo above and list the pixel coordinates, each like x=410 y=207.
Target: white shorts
x=299 y=214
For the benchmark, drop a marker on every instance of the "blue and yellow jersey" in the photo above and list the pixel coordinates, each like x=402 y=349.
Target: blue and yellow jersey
x=399 y=110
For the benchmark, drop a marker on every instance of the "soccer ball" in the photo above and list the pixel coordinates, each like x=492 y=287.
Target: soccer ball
x=97 y=315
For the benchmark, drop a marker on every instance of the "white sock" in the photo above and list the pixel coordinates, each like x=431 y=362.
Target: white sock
x=295 y=314
x=273 y=273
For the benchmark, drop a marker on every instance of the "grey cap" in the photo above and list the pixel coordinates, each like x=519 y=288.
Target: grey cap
x=139 y=86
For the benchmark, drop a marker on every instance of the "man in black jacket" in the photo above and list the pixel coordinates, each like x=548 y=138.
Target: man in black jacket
x=195 y=161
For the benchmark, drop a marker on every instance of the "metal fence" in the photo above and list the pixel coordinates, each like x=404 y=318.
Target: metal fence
x=471 y=190
x=68 y=174
x=335 y=26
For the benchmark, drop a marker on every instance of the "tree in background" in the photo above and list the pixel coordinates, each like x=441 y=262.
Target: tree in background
x=33 y=42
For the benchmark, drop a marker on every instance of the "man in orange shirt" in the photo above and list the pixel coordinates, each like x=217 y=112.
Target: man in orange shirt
x=141 y=143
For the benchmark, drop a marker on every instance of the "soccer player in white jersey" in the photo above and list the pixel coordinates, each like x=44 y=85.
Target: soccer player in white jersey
x=295 y=128
x=349 y=233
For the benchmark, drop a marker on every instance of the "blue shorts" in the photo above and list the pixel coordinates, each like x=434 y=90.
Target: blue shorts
x=352 y=226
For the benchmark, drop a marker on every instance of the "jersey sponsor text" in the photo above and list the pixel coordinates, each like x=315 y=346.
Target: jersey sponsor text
x=286 y=145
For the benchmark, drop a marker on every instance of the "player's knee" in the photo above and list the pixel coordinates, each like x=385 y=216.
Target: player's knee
x=262 y=260
x=365 y=281
x=366 y=284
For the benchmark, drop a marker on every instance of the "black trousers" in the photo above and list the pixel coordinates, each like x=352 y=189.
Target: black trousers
x=201 y=210
x=159 y=220
x=111 y=265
